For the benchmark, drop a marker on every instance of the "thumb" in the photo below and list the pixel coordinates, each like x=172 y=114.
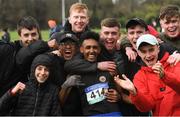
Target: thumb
x=124 y=76
x=116 y=77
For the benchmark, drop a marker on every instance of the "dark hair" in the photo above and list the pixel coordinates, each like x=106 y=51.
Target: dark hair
x=169 y=11
x=29 y=23
x=89 y=35
x=5 y=29
x=110 y=22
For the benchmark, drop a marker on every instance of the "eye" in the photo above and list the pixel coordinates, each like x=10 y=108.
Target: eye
x=33 y=34
x=114 y=33
x=131 y=33
x=26 y=35
x=106 y=33
x=39 y=68
x=87 y=47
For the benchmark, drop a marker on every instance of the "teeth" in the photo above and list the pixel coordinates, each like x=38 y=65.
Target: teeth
x=172 y=30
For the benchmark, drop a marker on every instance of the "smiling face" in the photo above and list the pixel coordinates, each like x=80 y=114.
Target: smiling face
x=90 y=49
x=133 y=33
x=67 y=49
x=79 y=20
x=171 y=26
x=149 y=54
x=28 y=36
x=41 y=73
x=109 y=37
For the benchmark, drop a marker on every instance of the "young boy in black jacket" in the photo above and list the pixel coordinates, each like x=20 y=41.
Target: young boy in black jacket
x=37 y=97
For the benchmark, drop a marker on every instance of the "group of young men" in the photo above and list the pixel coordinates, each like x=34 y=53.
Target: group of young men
x=80 y=72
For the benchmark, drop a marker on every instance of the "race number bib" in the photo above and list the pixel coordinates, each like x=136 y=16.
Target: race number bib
x=96 y=93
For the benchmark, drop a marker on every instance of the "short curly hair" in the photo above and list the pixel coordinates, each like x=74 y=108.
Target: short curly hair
x=169 y=11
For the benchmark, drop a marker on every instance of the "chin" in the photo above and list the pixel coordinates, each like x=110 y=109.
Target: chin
x=173 y=35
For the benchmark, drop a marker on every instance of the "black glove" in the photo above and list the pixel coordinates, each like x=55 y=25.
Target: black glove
x=73 y=80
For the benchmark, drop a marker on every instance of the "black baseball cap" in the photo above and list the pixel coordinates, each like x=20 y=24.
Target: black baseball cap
x=136 y=21
x=63 y=37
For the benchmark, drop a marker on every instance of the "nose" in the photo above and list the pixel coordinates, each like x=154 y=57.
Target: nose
x=109 y=35
x=67 y=46
x=42 y=71
x=91 y=49
x=136 y=36
x=148 y=54
x=79 y=19
x=30 y=38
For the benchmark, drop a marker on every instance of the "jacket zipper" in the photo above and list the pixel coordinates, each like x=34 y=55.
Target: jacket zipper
x=37 y=93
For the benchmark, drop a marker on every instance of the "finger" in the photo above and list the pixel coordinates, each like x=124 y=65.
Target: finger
x=111 y=69
x=124 y=76
x=111 y=90
x=111 y=62
x=129 y=57
x=111 y=65
x=157 y=72
x=111 y=96
x=116 y=77
x=133 y=57
x=112 y=101
x=176 y=61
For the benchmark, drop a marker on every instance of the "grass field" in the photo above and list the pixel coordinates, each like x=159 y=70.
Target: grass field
x=44 y=33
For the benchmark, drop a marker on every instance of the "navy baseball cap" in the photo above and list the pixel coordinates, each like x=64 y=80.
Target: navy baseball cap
x=63 y=37
x=136 y=21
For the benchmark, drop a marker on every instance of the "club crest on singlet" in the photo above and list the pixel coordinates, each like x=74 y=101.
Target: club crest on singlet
x=102 y=79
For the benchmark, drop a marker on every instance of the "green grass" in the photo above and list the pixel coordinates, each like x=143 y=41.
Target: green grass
x=44 y=33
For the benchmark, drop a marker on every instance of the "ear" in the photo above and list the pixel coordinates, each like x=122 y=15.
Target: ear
x=119 y=34
x=99 y=50
x=161 y=23
x=88 y=20
x=139 y=52
x=81 y=49
x=69 y=19
x=158 y=48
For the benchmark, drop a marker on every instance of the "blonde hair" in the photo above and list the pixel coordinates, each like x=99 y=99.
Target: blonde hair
x=78 y=6
x=110 y=22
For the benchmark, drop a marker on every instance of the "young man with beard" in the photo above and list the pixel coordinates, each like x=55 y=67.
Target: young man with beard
x=69 y=97
x=16 y=57
x=109 y=59
x=96 y=83
x=156 y=85
x=170 y=23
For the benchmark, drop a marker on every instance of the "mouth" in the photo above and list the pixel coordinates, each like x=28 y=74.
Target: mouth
x=110 y=43
x=68 y=52
x=150 y=60
x=92 y=56
x=172 y=30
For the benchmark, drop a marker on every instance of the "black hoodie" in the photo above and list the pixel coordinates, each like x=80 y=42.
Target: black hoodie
x=38 y=99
